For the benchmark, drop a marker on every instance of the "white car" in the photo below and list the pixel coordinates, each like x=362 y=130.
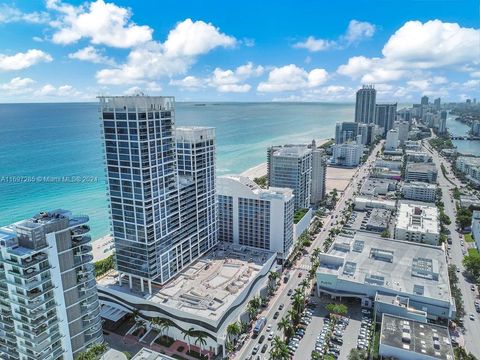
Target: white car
x=472 y=317
x=269 y=327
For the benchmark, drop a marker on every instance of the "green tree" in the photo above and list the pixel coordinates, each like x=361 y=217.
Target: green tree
x=200 y=340
x=464 y=217
x=338 y=309
x=279 y=350
x=385 y=234
x=285 y=325
x=357 y=354
x=472 y=264
x=233 y=330
x=188 y=335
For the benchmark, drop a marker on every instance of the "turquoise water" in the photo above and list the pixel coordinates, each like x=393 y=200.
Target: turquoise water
x=460 y=129
x=63 y=140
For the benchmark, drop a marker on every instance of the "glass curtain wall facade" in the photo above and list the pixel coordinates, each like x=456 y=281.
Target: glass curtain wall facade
x=153 y=190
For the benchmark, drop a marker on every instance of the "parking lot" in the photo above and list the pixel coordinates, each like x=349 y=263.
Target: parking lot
x=319 y=327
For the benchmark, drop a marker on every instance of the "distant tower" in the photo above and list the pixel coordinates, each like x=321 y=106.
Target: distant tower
x=437 y=104
x=424 y=100
x=365 y=105
x=319 y=174
x=385 y=115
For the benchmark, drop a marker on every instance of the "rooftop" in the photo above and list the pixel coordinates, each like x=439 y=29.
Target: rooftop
x=419 y=184
x=421 y=167
x=379 y=218
x=147 y=354
x=422 y=338
x=371 y=186
x=404 y=267
x=470 y=160
x=244 y=186
x=292 y=151
x=419 y=218
x=210 y=285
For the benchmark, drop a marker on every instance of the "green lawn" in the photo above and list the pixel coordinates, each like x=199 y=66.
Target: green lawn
x=299 y=214
x=472 y=251
x=468 y=238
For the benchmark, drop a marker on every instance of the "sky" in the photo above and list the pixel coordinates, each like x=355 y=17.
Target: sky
x=304 y=50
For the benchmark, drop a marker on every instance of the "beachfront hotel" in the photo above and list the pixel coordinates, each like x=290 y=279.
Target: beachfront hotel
x=48 y=295
x=162 y=190
x=365 y=105
x=290 y=166
x=251 y=216
x=161 y=187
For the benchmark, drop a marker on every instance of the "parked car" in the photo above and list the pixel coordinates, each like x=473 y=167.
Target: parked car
x=276 y=315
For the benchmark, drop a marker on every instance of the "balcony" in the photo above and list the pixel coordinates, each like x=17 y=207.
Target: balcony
x=80 y=230
x=29 y=272
x=82 y=259
x=78 y=240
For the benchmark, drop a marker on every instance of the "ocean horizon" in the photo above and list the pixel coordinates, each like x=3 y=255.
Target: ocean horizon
x=51 y=153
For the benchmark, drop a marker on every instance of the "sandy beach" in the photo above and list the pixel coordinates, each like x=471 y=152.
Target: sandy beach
x=102 y=247
x=337 y=178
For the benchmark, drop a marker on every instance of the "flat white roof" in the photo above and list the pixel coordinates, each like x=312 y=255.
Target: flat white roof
x=209 y=286
x=418 y=218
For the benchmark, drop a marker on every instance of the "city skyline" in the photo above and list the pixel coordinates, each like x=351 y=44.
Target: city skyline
x=208 y=54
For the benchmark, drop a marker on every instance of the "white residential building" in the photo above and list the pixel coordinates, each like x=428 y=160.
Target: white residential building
x=403 y=128
x=290 y=166
x=319 y=175
x=251 y=216
x=391 y=143
x=418 y=223
x=470 y=166
x=47 y=288
x=347 y=154
x=420 y=191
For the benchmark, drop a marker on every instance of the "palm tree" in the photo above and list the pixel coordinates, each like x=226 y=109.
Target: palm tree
x=167 y=324
x=273 y=276
x=187 y=334
x=233 y=330
x=316 y=252
x=252 y=311
x=298 y=302
x=294 y=316
x=279 y=350
x=285 y=325
x=305 y=284
x=200 y=341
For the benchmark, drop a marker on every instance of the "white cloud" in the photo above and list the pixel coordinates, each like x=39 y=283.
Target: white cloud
x=475 y=74
x=418 y=47
x=312 y=44
x=49 y=90
x=101 y=22
x=23 y=60
x=474 y=84
x=358 y=30
x=188 y=82
x=17 y=86
x=11 y=14
x=189 y=39
x=91 y=54
x=223 y=80
x=290 y=77
x=153 y=60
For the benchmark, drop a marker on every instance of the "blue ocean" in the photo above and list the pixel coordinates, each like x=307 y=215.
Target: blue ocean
x=51 y=154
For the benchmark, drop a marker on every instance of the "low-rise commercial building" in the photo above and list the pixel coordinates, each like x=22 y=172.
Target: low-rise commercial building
x=48 y=288
x=366 y=265
x=365 y=203
x=419 y=191
x=374 y=186
x=470 y=201
x=426 y=172
x=413 y=145
x=406 y=339
x=418 y=223
x=378 y=220
x=251 y=216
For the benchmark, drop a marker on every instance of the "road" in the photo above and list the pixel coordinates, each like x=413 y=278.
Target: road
x=304 y=264
x=472 y=328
